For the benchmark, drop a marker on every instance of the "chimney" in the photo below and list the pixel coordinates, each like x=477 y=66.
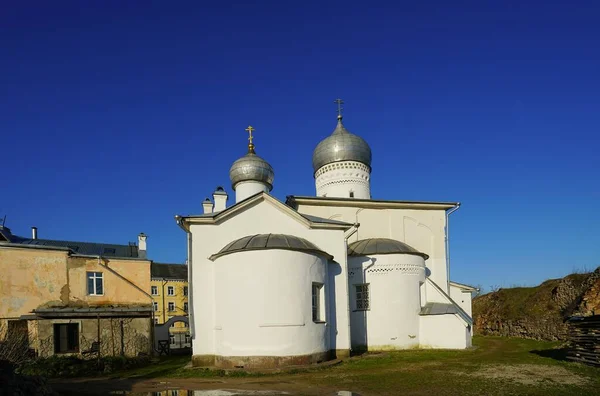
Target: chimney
x=220 y=197
x=142 y=245
x=33 y=232
x=207 y=205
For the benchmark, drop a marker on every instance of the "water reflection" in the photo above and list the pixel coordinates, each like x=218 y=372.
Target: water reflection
x=219 y=392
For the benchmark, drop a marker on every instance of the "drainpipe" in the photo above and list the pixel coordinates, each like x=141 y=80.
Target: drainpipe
x=447 y=229
x=355 y=226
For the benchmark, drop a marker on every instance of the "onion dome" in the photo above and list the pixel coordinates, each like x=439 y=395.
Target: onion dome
x=270 y=241
x=371 y=246
x=341 y=146
x=251 y=167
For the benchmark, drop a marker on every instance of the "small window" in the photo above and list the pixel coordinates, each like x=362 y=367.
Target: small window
x=95 y=283
x=317 y=302
x=351 y=194
x=363 y=302
x=154 y=290
x=185 y=307
x=66 y=338
x=171 y=306
x=170 y=290
x=185 y=290
x=155 y=305
x=155 y=321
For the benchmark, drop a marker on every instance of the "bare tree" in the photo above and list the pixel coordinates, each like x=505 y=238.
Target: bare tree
x=14 y=345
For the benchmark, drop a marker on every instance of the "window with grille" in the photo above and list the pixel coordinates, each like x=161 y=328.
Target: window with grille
x=66 y=338
x=185 y=290
x=154 y=290
x=155 y=304
x=362 y=297
x=185 y=307
x=317 y=302
x=95 y=283
x=170 y=290
x=171 y=306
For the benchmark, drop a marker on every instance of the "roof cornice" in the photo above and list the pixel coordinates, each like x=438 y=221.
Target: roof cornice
x=294 y=201
x=218 y=218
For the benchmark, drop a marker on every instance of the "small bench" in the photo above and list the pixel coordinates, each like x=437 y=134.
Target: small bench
x=94 y=349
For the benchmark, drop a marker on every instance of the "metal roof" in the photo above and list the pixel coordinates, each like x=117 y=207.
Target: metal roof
x=295 y=200
x=435 y=308
x=169 y=271
x=371 y=246
x=81 y=248
x=270 y=241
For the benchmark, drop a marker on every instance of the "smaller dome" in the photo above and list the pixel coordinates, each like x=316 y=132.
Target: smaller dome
x=270 y=241
x=251 y=168
x=371 y=246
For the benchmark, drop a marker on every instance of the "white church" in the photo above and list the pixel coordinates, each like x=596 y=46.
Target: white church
x=318 y=277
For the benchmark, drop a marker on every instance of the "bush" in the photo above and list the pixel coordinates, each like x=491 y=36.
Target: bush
x=74 y=366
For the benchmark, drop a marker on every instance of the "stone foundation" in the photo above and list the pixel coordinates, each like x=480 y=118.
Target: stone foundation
x=259 y=362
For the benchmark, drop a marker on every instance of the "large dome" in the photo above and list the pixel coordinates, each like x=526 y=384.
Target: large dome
x=251 y=168
x=341 y=146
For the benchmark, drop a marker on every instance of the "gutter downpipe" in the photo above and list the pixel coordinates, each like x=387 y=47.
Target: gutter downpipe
x=447 y=229
x=355 y=226
x=190 y=295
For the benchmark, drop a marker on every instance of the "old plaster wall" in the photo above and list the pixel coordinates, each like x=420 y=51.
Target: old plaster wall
x=125 y=281
x=31 y=278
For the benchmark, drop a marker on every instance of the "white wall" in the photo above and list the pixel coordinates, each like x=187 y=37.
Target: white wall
x=421 y=229
x=462 y=297
x=444 y=331
x=264 y=304
x=341 y=178
x=247 y=189
x=262 y=217
x=392 y=322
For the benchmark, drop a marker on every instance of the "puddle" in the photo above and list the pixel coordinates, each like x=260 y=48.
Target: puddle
x=218 y=392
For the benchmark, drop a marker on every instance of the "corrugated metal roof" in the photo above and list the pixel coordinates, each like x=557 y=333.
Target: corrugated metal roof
x=270 y=241
x=169 y=271
x=371 y=246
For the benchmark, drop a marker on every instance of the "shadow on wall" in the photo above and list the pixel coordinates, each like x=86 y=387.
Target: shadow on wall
x=359 y=318
x=335 y=269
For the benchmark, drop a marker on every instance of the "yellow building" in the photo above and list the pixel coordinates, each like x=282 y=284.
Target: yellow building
x=169 y=290
x=69 y=297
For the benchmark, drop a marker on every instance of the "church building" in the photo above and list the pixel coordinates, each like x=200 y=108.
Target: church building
x=275 y=284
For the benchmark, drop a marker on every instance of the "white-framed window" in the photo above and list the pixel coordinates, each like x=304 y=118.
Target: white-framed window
x=363 y=300
x=155 y=306
x=185 y=290
x=318 y=306
x=154 y=290
x=171 y=306
x=185 y=307
x=95 y=284
x=170 y=290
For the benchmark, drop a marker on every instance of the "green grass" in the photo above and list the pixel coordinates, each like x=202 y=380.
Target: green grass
x=429 y=372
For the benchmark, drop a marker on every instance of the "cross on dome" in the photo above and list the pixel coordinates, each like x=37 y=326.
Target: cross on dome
x=250 y=129
x=339 y=103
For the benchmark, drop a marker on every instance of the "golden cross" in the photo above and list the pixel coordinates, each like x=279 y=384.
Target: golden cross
x=250 y=129
x=339 y=103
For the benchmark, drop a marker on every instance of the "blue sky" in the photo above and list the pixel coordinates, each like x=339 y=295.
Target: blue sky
x=115 y=116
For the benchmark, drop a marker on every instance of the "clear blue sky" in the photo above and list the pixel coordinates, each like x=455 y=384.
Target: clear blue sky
x=117 y=115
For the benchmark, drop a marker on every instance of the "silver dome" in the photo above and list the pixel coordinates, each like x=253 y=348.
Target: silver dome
x=251 y=168
x=341 y=146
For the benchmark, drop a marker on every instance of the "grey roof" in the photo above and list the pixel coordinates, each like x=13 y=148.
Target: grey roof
x=316 y=219
x=341 y=146
x=251 y=167
x=293 y=201
x=270 y=241
x=169 y=271
x=367 y=247
x=435 y=308
x=83 y=248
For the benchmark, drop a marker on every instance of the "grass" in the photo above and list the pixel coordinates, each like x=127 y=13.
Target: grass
x=496 y=366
